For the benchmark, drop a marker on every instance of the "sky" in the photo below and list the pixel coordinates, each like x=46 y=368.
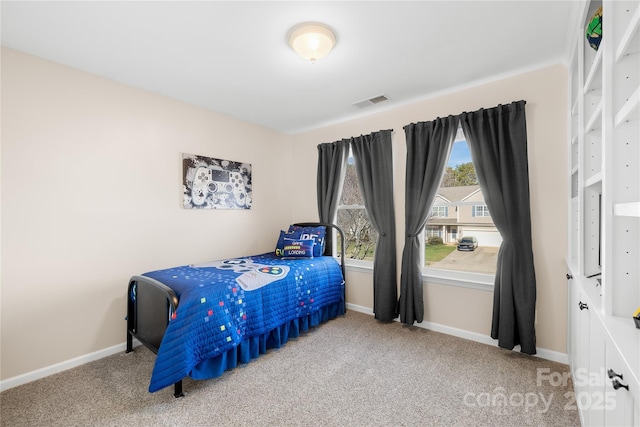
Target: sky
x=459 y=154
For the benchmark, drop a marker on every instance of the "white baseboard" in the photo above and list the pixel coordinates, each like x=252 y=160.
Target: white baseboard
x=551 y=355
x=81 y=360
x=63 y=366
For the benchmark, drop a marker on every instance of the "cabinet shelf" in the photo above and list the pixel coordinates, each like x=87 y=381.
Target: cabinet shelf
x=627 y=209
x=630 y=40
x=574 y=108
x=629 y=110
x=591 y=82
x=592 y=293
x=594 y=180
x=594 y=122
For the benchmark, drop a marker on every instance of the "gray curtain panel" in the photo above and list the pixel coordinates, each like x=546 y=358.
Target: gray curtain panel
x=374 y=166
x=428 y=148
x=332 y=163
x=497 y=139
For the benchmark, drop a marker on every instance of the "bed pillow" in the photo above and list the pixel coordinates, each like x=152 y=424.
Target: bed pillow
x=296 y=248
x=280 y=245
x=315 y=233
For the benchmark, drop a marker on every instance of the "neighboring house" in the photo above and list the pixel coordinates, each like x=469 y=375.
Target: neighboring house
x=459 y=212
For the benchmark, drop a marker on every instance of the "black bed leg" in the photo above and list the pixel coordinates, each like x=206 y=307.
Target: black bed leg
x=177 y=389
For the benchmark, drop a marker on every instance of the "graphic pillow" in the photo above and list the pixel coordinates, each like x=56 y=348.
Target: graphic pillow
x=280 y=244
x=295 y=248
x=306 y=233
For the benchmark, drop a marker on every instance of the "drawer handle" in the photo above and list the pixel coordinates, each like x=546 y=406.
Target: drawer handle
x=617 y=384
x=583 y=305
x=613 y=374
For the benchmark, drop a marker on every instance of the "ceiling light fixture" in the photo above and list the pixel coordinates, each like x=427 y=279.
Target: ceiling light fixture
x=312 y=40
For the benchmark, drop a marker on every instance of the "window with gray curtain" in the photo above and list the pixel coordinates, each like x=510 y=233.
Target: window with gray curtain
x=374 y=167
x=428 y=149
x=497 y=139
x=373 y=155
x=332 y=160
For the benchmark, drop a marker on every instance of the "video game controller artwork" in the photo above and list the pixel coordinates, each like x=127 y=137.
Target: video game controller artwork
x=252 y=275
x=210 y=183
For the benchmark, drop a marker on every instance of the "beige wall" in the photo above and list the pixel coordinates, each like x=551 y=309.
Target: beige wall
x=545 y=91
x=91 y=195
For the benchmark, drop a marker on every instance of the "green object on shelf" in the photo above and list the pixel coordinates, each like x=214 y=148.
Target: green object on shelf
x=594 y=30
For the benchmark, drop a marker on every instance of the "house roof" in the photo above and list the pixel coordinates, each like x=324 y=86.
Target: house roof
x=458 y=194
x=233 y=57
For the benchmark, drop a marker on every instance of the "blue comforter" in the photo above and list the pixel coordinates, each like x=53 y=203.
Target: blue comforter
x=224 y=303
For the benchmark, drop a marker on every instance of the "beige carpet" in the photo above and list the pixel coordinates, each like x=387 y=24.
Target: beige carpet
x=351 y=371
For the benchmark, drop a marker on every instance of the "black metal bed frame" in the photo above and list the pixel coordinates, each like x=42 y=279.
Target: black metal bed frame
x=150 y=303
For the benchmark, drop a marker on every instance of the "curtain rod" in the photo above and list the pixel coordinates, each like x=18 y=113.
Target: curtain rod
x=466 y=112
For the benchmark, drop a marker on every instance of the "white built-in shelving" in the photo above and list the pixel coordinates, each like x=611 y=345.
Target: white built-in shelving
x=604 y=213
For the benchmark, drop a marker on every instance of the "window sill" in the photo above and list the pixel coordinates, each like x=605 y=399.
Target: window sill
x=463 y=279
x=359 y=266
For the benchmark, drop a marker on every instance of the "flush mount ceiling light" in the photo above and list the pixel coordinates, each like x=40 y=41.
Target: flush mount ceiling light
x=312 y=40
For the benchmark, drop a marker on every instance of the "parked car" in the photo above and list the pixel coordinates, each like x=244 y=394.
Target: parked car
x=467 y=243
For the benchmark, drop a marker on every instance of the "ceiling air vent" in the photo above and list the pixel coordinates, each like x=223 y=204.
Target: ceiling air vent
x=371 y=101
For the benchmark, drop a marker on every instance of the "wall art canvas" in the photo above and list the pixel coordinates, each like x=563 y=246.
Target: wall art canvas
x=210 y=183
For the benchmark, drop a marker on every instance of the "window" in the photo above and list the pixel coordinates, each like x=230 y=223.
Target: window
x=439 y=211
x=434 y=231
x=360 y=236
x=480 y=210
x=460 y=211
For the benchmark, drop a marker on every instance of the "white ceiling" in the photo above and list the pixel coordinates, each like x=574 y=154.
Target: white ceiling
x=232 y=57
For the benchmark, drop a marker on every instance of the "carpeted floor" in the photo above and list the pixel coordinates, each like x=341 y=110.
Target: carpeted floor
x=351 y=371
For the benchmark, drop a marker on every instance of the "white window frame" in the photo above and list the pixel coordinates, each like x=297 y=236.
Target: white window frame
x=463 y=279
x=484 y=211
x=353 y=264
x=466 y=279
x=439 y=211
x=358 y=263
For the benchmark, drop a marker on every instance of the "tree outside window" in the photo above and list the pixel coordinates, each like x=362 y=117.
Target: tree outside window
x=360 y=235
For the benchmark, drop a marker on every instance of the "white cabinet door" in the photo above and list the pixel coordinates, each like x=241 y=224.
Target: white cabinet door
x=624 y=410
x=580 y=348
x=596 y=402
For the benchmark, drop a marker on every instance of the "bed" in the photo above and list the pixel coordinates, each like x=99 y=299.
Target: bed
x=204 y=319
